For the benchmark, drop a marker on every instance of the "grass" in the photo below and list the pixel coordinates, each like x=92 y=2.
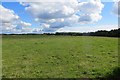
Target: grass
x=39 y=56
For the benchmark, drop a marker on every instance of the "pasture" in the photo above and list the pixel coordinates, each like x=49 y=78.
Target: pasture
x=42 y=56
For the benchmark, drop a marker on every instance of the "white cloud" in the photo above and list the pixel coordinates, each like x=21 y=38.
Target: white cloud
x=53 y=15
x=11 y=22
x=91 y=7
x=116 y=8
x=65 y=13
x=88 y=28
x=36 y=31
x=60 y=23
x=89 y=18
x=46 y=1
x=7 y=15
x=116 y=0
x=24 y=24
x=90 y=11
x=51 y=10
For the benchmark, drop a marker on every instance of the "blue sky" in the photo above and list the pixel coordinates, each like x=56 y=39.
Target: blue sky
x=108 y=18
x=20 y=11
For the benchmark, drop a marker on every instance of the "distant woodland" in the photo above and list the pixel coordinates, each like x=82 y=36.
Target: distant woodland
x=102 y=33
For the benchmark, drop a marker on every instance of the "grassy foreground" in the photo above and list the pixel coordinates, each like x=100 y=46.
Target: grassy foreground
x=37 y=56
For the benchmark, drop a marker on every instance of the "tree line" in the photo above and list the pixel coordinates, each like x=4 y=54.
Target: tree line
x=103 y=33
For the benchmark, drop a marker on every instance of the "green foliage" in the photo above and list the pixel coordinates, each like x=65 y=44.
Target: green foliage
x=39 y=56
x=103 y=33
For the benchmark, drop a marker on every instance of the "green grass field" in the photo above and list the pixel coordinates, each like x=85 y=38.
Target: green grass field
x=39 y=56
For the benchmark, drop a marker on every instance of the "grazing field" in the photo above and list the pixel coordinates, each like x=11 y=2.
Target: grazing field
x=42 y=56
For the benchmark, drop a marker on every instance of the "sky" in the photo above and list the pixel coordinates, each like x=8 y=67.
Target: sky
x=72 y=16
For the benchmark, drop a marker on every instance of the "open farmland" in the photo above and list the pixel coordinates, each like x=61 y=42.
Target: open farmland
x=42 y=56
